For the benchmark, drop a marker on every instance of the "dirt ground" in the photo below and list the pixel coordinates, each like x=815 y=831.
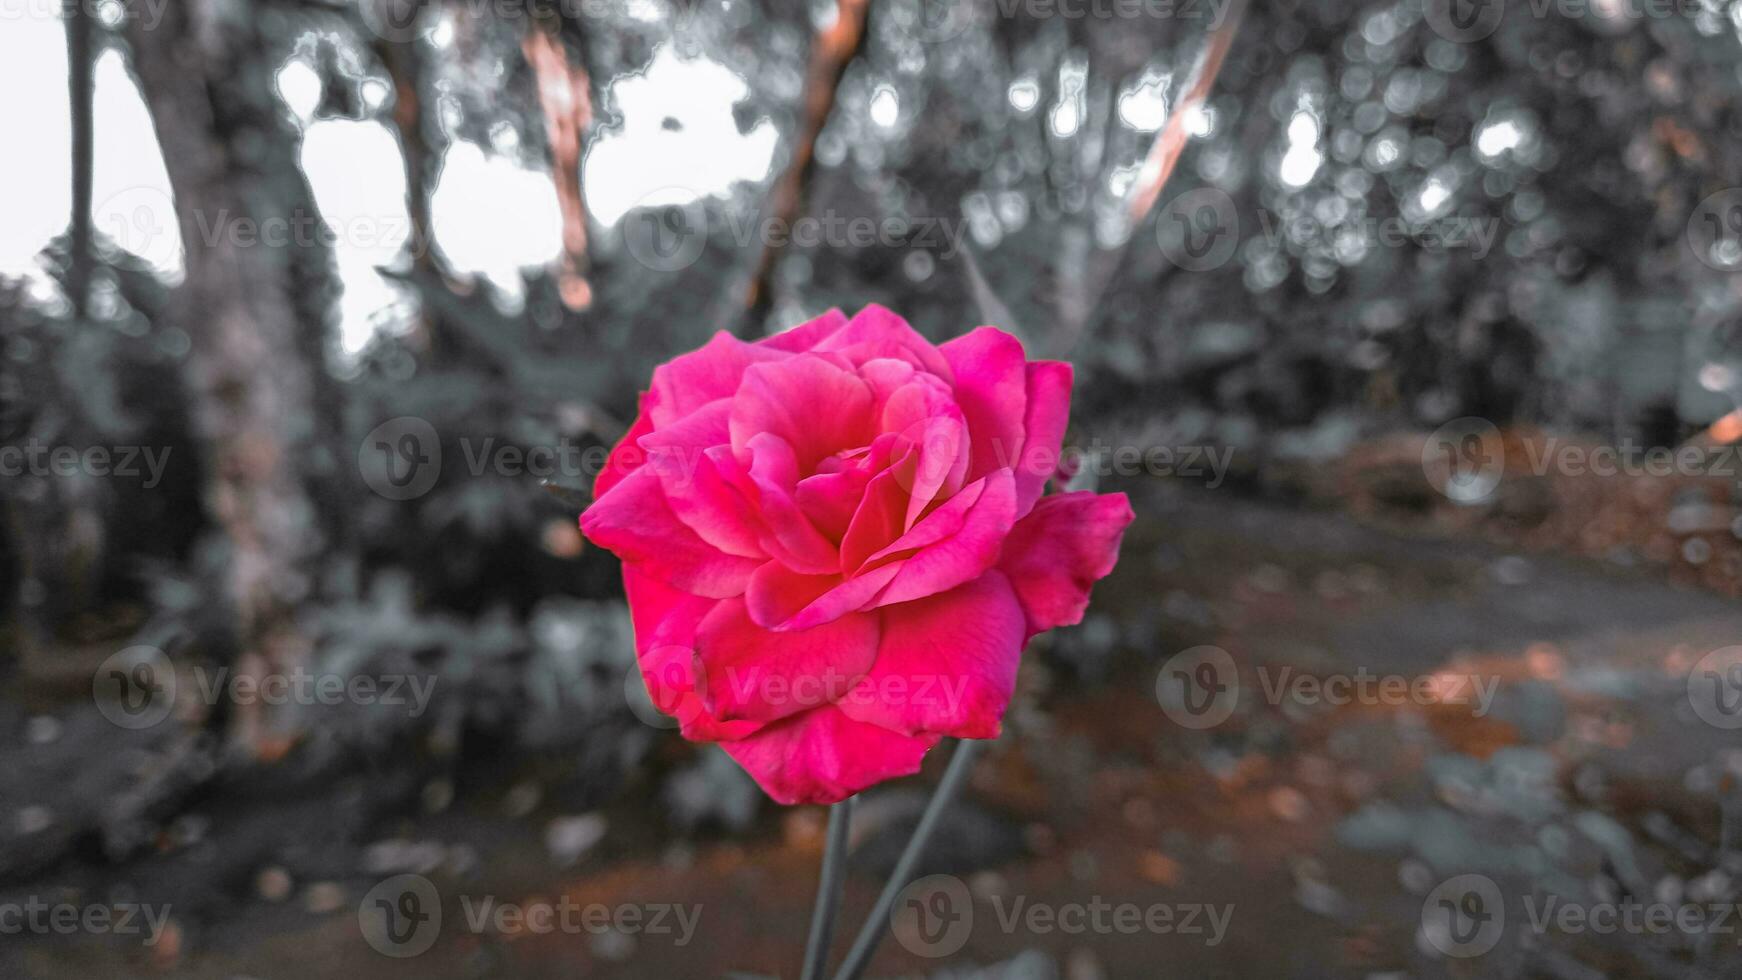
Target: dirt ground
x=1320 y=829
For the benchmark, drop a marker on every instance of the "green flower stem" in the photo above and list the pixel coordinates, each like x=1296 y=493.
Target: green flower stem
x=871 y=934
x=828 y=902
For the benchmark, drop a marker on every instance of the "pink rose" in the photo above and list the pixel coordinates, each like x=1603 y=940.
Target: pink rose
x=835 y=546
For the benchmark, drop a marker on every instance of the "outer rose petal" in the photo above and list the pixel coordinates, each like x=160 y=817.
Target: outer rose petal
x=823 y=756
x=1049 y=412
x=806 y=335
x=665 y=630
x=946 y=664
x=687 y=382
x=627 y=456
x=992 y=388
x=636 y=523
x=753 y=673
x=1066 y=544
x=877 y=331
x=682 y=456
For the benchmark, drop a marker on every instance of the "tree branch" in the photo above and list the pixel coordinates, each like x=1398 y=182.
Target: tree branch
x=79 y=84
x=565 y=93
x=835 y=47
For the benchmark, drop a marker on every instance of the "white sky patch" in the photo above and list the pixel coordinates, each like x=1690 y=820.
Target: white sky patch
x=1497 y=138
x=358 y=178
x=1302 y=159
x=1201 y=121
x=299 y=85
x=130 y=197
x=1143 y=106
x=494 y=217
x=1067 y=113
x=885 y=106
x=34 y=192
x=647 y=162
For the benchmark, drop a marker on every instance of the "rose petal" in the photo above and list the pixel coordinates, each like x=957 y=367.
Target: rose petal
x=829 y=500
x=1049 y=412
x=1065 y=545
x=627 y=456
x=963 y=555
x=635 y=521
x=992 y=388
x=808 y=334
x=823 y=756
x=877 y=522
x=665 y=622
x=817 y=407
x=687 y=457
x=689 y=381
x=942 y=523
x=789 y=536
x=877 y=331
x=754 y=673
x=946 y=664
x=781 y=599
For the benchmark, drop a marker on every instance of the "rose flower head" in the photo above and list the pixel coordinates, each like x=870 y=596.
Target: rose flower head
x=835 y=542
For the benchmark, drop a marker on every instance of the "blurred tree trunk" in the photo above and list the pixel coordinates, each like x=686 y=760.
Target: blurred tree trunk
x=256 y=302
